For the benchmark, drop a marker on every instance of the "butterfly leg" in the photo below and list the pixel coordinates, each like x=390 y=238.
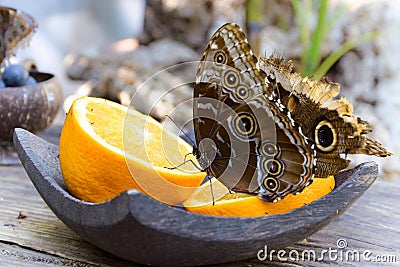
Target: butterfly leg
x=209 y=177
x=185 y=160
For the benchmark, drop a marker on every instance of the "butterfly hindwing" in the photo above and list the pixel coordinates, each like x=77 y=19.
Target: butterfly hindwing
x=328 y=121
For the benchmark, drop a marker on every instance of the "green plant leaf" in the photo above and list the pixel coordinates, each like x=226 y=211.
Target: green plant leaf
x=320 y=33
x=340 y=51
x=303 y=11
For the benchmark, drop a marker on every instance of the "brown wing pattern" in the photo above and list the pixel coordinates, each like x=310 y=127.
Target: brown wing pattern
x=329 y=122
x=16 y=27
x=245 y=137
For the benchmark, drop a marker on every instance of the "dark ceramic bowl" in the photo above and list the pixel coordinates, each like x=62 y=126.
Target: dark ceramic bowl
x=32 y=107
x=138 y=228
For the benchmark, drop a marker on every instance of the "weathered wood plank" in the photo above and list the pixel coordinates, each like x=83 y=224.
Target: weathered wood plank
x=13 y=255
x=41 y=239
x=40 y=230
x=372 y=224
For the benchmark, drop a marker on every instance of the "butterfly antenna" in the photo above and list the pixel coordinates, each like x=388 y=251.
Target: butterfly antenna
x=181 y=130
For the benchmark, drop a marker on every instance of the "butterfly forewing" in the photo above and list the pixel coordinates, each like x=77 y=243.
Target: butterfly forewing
x=258 y=147
x=16 y=27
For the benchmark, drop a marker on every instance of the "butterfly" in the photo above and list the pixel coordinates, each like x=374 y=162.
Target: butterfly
x=329 y=122
x=245 y=136
x=16 y=28
x=261 y=131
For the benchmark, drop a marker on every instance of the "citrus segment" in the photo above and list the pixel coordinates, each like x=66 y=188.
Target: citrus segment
x=98 y=162
x=244 y=205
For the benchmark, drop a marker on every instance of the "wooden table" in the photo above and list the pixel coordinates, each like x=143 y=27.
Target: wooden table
x=31 y=235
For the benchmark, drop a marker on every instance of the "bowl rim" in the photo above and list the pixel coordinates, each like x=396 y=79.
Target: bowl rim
x=51 y=78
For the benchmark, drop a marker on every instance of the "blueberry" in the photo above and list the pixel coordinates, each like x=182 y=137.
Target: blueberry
x=2 y=84
x=30 y=81
x=15 y=75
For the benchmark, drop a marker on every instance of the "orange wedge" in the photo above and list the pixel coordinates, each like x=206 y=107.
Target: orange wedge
x=106 y=148
x=244 y=205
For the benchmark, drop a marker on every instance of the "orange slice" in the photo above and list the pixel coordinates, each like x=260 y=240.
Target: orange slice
x=106 y=148
x=244 y=205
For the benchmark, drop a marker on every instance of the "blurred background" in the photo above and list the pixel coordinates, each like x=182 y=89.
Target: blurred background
x=109 y=48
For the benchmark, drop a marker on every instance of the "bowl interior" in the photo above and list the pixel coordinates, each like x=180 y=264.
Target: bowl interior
x=41 y=76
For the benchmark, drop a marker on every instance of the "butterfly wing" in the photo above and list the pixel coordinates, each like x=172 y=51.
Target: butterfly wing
x=330 y=123
x=16 y=27
x=252 y=144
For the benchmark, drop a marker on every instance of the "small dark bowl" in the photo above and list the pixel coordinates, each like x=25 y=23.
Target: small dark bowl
x=32 y=107
x=138 y=228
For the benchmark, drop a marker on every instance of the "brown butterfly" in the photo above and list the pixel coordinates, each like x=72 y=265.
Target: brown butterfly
x=262 y=129
x=329 y=123
x=16 y=28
